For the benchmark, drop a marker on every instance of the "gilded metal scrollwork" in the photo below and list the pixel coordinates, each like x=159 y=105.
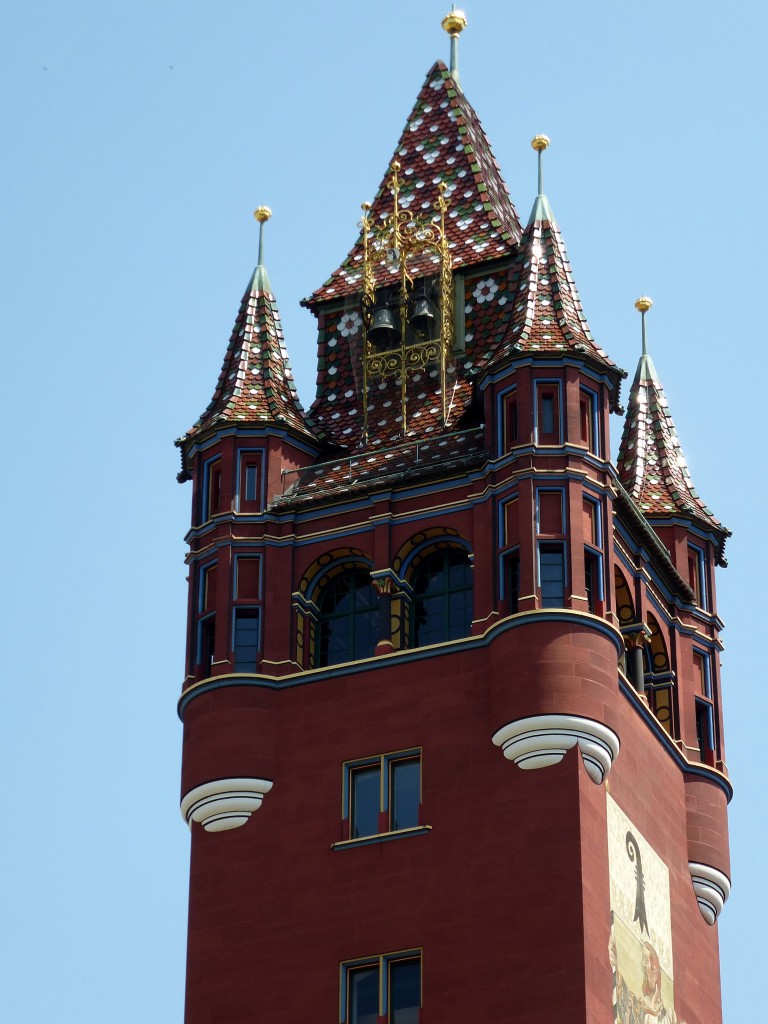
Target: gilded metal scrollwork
x=403 y=237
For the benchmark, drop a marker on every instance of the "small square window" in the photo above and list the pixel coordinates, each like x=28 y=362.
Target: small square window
x=384 y=988
x=382 y=794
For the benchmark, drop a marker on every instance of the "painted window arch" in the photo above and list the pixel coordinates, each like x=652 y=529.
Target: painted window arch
x=625 y=607
x=348 y=617
x=659 y=679
x=442 y=587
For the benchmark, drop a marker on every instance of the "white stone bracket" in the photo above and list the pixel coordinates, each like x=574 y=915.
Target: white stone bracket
x=543 y=740
x=224 y=803
x=712 y=889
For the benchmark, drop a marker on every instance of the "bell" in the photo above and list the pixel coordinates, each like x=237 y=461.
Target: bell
x=423 y=316
x=384 y=332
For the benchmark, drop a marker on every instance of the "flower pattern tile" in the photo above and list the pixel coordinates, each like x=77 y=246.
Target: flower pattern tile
x=443 y=140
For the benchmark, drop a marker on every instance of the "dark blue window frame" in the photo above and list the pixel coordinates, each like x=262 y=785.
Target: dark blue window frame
x=443 y=598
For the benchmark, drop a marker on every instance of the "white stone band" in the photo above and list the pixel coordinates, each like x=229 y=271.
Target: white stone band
x=712 y=889
x=543 y=740
x=224 y=803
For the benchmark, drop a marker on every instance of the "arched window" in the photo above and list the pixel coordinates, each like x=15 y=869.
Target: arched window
x=348 y=620
x=442 y=598
x=659 y=680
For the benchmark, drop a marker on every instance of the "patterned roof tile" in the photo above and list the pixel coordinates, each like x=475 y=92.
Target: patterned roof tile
x=546 y=312
x=443 y=140
x=651 y=462
x=256 y=383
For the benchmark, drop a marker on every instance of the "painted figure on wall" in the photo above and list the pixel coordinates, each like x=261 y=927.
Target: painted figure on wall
x=640 y=949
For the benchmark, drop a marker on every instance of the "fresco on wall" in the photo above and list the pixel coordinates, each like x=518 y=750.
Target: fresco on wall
x=640 y=948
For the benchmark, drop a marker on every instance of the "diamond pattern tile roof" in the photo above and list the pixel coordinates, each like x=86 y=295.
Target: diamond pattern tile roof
x=372 y=469
x=256 y=383
x=546 y=312
x=443 y=140
x=651 y=462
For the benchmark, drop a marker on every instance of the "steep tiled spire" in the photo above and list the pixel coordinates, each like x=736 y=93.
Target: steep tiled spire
x=443 y=140
x=651 y=463
x=256 y=385
x=547 y=315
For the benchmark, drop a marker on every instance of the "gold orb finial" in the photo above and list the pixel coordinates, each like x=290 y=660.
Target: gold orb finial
x=643 y=304
x=262 y=213
x=455 y=22
x=540 y=142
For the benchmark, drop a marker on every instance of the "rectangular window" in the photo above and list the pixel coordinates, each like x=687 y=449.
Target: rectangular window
x=385 y=988
x=249 y=481
x=246 y=639
x=513 y=581
x=552 y=575
x=550 y=512
x=511 y=423
x=548 y=413
x=382 y=794
x=696 y=576
x=210 y=499
x=588 y=420
x=701 y=674
x=206 y=595
x=206 y=644
x=705 y=732
x=592 y=580
x=247 y=577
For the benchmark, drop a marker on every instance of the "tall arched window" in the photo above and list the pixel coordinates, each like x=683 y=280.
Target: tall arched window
x=348 y=620
x=442 y=598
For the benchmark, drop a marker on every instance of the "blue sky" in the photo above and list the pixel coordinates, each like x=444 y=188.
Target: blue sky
x=138 y=139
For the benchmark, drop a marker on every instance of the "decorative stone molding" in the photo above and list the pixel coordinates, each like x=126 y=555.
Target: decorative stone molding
x=712 y=889
x=224 y=803
x=544 y=739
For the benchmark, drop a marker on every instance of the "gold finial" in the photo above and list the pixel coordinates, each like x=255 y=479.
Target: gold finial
x=540 y=143
x=455 y=22
x=642 y=305
x=365 y=206
x=262 y=215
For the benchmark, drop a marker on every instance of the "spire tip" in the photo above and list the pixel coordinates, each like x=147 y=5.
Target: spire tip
x=643 y=304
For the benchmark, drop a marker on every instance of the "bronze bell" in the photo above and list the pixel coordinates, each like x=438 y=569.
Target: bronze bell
x=384 y=331
x=423 y=318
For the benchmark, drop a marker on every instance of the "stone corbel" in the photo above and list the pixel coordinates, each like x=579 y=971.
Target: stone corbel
x=712 y=889
x=224 y=803
x=544 y=739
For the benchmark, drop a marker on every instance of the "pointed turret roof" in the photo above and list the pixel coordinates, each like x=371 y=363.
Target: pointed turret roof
x=256 y=384
x=547 y=315
x=651 y=462
x=443 y=140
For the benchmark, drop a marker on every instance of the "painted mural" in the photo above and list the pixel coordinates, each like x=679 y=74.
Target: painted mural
x=640 y=948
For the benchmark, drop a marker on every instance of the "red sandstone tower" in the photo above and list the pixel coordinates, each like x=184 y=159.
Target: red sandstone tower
x=453 y=747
